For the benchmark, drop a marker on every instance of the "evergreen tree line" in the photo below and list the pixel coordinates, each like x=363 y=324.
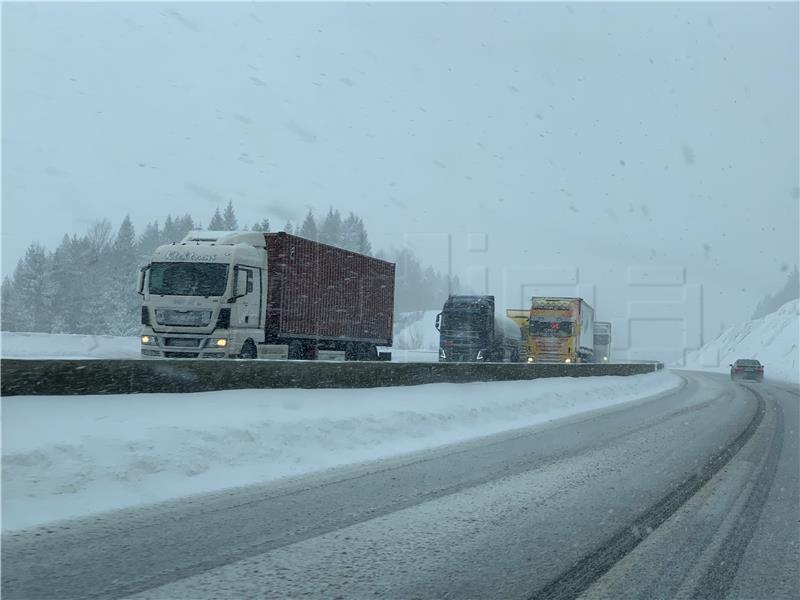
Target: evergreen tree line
x=417 y=288
x=772 y=302
x=88 y=284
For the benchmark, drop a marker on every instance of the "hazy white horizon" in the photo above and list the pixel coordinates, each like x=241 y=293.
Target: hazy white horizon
x=497 y=140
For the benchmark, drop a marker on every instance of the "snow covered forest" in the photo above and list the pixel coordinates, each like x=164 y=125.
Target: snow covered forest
x=87 y=285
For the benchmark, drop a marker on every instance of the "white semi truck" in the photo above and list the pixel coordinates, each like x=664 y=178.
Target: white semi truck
x=602 y=341
x=264 y=295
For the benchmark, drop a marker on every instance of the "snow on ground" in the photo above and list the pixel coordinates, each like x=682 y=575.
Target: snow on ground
x=65 y=345
x=72 y=456
x=417 y=331
x=773 y=340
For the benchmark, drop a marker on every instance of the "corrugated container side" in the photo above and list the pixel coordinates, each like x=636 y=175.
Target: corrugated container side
x=320 y=291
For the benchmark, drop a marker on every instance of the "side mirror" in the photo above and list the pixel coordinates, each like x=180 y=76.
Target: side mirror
x=438 y=321
x=140 y=283
x=730 y=365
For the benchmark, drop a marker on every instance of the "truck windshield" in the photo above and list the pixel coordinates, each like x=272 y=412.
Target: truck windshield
x=188 y=279
x=552 y=328
x=463 y=320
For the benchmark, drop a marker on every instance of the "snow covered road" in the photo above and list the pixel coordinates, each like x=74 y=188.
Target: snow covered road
x=73 y=456
x=505 y=516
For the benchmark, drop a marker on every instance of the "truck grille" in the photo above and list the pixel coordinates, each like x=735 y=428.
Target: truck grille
x=183 y=318
x=548 y=350
x=180 y=354
x=182 y=342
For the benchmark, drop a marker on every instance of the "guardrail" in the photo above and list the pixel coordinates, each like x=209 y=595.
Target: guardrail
x=70 y=377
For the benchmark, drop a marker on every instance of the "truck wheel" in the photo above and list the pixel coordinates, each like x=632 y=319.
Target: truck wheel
x=296 y=350
x=249 y=350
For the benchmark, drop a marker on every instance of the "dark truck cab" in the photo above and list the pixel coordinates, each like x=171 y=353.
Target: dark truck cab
x=469 y=331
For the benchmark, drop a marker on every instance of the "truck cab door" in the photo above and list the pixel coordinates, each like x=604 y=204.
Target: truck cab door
x=248 y=287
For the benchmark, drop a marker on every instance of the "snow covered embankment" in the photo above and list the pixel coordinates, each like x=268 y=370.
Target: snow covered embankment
x=415 y=337
x=72 y=456
x=67 y=346
x=773 y=340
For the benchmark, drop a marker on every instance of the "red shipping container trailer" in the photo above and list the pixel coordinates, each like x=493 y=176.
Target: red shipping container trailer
x=320 y=292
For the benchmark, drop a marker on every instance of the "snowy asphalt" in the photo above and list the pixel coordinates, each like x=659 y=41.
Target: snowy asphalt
x=691 y=495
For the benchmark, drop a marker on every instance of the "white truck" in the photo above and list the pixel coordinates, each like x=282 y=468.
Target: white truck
x=602 y=341
x=264 y=295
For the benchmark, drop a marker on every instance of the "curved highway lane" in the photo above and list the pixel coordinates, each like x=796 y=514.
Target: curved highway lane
x=691 y=494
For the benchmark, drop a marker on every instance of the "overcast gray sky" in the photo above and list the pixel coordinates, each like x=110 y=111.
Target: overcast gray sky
x=602 y=138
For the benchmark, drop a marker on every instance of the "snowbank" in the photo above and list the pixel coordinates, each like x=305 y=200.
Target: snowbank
x=72 y=456
x=773 y=340
x=417 y=331
x=64 y=345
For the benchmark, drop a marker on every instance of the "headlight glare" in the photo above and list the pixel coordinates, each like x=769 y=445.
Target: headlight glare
x=219 y=342
x=149 y=340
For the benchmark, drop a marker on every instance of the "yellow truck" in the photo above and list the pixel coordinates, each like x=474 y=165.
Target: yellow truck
x=557 y=329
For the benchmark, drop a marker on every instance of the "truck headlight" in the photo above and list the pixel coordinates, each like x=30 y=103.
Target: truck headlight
x=218 y=342
x=149 y=340
x=530 y=359
x=568 y=360
x=605 y=358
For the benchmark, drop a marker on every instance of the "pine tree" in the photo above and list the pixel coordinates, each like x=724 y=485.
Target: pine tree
x=9 y=306
x=99 y=238
x=408 y=282
x=361 y=240
x=85 y=310
x=30 y=310
x=289 y=228
x=263 y=226
x=217 y=222
x=354 y=235
x=349 y=232
x=183 y=225
x=168 y=232
x=62 y=284
x=309 y=227
x=93 y=271
x=149 y=241
x=122 y=299
x=229 y=218
x=430 y=288
x=331 y=231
